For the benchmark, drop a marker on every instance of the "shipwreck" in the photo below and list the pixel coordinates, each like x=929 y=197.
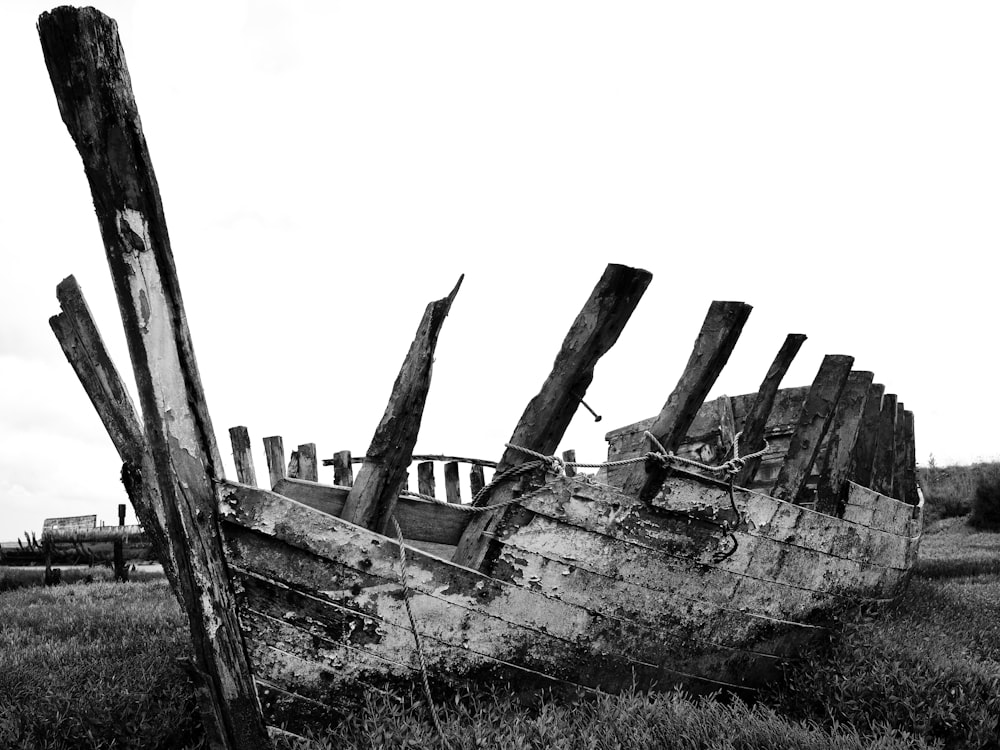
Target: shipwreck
x=715 y=540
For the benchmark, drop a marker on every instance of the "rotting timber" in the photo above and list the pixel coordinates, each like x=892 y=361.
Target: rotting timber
x=662 y=569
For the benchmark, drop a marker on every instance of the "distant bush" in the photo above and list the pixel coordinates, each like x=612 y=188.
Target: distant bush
x=949 y=491
x=986 y=504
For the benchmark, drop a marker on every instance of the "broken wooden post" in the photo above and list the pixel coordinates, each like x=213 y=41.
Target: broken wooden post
x=910 y=494
x=831 y=490
x=292 y=471
x=715 y=342
x=343 y=471
x=84 y=348
x=755 y=425
x=87 y=68
x=885 y=447
x=452 y=487
x=569 y=456
x=274 y=452
x=899 y=454
x=119 y=549
x=814 y=421
x=425 y=478
x=548 y=414
x=373 y=496
x=863 y=456
x=239 y=437
x=308 y=468
x=477 y=479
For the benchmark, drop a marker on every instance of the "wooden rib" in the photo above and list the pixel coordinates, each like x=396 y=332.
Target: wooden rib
x=716 y=340
x=293 y=465
x=452 y=485
x=814 y=421
x=755 y=424
x=863 y=456
x=87 y=69
x=274 y=451
x=899 y=454
x=569 y=456
x=832 y=485
x=910 y=495
x=343 y=472
x=307 y=462
x=885 y=447
x=425 y=478
x=242 y=455
x=84 y=348
x=477 y=479
x=548 y=414
x=374 y=492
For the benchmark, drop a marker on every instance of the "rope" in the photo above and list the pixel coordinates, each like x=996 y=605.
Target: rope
x=416 y=636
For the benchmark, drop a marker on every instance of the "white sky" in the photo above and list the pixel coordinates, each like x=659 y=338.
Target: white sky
x=329 y=168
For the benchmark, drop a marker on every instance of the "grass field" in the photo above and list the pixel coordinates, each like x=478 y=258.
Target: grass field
x=99 y=666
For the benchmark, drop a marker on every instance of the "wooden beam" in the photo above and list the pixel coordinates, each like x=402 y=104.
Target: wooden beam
x=899 y=454
x=548 y=414
x=755 y=425
x=308 y=469
x=239 y=437
x=814 y=421
x=832 y=488
x=84 y=348
x=718 y=336
x=452 y=486
x=910 y=494
x=343 y=472
x=863 y=456
x=274 y=451
x=100 y=534
x=87 y=69
x=374 y=492
x=885 y=447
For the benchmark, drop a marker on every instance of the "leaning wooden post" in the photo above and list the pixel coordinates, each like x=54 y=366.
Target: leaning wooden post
x=715 y=342
x=87 y=68
x=373 y=497
x=755 y=424
x=343 y=470
x=863 y=456
x=452 y=485
x=239 y=437
x=308 y=468
x=274 y=452
x=885 y=447
x=899 y=454
x=830 y=492
x=814 y=421
x=548 y=414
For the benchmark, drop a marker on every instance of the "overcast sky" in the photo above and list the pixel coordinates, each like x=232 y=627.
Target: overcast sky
x=329 y=168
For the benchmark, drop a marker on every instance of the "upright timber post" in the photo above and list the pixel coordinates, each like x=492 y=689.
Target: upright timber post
x=840 y=444
x=239 y=437
x=863 y=455
x=87 y=68
x=885 y=447
x=274 y=451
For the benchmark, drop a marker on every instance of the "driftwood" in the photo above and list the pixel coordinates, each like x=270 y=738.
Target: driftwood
x=716 y=340
x=274 y=452
x=885 y=447
x=87 y=69
x=831 y=490
x=242 y=455
x=755 y=424
x=863 y=455
x=373 y=495
x=814 y=421
x=548 y=414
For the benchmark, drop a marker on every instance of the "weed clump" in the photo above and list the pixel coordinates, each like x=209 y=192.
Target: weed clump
x=986 y=504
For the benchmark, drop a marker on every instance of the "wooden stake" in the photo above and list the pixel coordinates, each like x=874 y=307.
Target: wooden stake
x=716 y=340
x=87 y=68
x=308 y=469
x=84 y=348
x=343 y=471
x=863 y=456
x=831 y=490
x=885 y=447
x=373 y=495
x=755 y=424
x=274 y=451
x=899 y=454
x=548 y=414
x=452 y=487
x=242 y=455
x=814 y=421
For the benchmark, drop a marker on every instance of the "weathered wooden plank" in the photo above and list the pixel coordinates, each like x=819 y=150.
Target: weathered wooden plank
x=910 y=493
x=832 y=487
x=84 y=348
x=899 y=454
x=863 y=455
x=87 y=69
x=885 y=447
x=373 y=495
x=274 y=451
x=477 y=479
x=569 y=456
x=343 y=472
x=452 y=485
x=292 y=472
x=548 y=414
x=715 y=342
x=428 y=457
x=425 y=478
x=814 y=421
x=308 y=469
x=131 y=534
x=754 y=427
x=239 y=437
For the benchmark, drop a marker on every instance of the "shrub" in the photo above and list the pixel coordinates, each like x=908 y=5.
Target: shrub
x=986 y=504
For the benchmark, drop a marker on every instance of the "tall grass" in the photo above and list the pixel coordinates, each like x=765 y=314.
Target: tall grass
x=949 y=491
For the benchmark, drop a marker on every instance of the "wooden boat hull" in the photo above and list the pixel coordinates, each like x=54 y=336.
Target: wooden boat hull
x=583 y=588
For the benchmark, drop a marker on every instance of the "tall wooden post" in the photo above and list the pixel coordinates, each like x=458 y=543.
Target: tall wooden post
x=87 y=68
x=863 y=454
x=885 y=447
